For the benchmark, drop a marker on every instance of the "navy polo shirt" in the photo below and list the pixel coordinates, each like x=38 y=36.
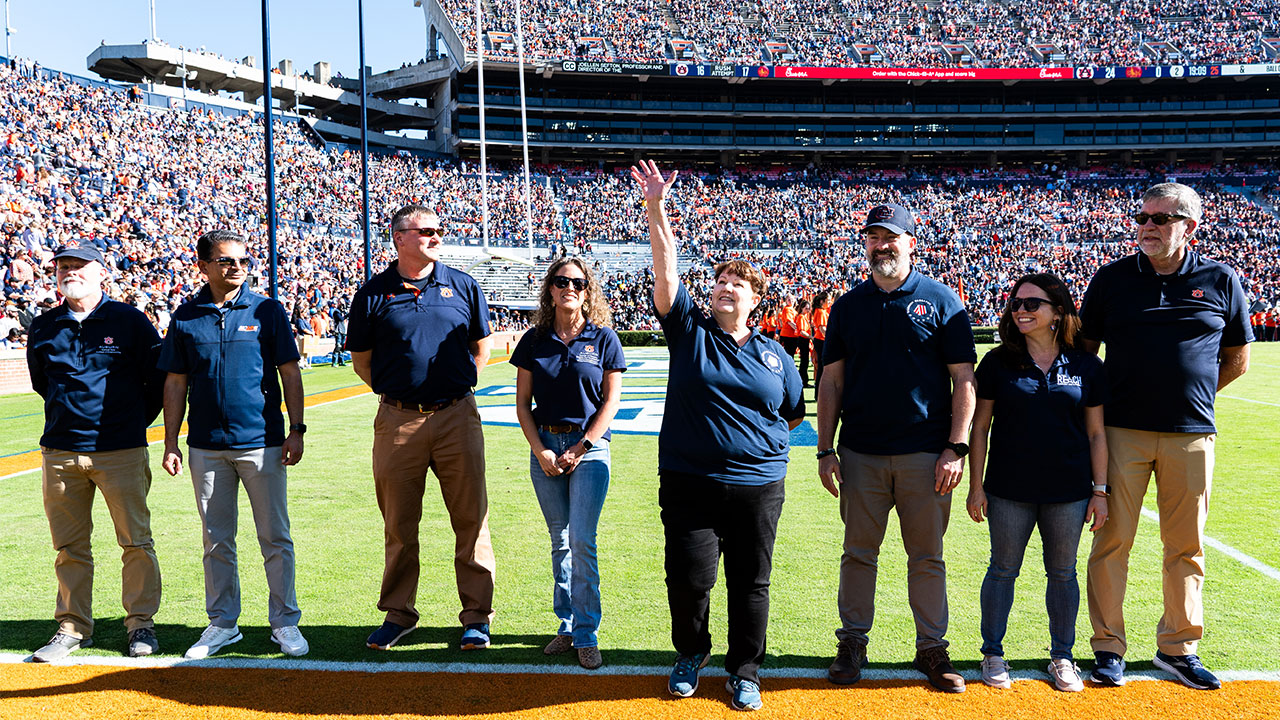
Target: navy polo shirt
x=1164 y=335
x=567 y=379
x=421 y=339
x=1039 y=449
x=896 y=347
x=98 y=377
x=230 y=356
x=727 y=406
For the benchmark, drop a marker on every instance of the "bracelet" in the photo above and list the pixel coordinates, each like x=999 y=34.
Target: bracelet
x=1100 y=494
x=825 y=453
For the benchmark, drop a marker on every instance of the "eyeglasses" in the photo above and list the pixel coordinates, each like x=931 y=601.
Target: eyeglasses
x=227 y=262
x=428 y=232
x=562 y=282
x=1031 y=304
x=1157 y=218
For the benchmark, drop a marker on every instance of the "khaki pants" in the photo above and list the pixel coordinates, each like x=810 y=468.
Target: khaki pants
x=1183 y=468
x=451 y=444
x=69 y=482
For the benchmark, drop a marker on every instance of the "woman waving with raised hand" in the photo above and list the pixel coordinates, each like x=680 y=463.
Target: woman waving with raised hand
x=732 y=400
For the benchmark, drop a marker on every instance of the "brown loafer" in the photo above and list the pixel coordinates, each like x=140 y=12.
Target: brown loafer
x=935 y=663
x=589 y=657
x=559 y=644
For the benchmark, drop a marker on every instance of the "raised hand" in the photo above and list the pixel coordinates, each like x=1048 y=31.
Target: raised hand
x=651 y=181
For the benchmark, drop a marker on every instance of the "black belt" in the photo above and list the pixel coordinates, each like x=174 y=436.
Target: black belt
x=424 y=408
x=562 y=429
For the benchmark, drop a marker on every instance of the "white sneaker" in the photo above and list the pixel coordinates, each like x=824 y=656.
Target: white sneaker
x=1066 y=676
x=995 y=672
x=212 y=640
x=290 y=640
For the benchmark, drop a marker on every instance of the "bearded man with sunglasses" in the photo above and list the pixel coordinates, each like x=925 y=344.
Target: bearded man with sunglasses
x=418 y=333
x=1176 y=326
x=223 y=351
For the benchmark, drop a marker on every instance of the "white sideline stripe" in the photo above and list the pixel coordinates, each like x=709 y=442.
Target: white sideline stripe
x=531 y=669
x=1226 y=549
x=1248 y=400
x=161 y=442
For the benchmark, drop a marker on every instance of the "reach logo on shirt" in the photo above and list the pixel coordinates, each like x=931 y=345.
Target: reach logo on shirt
x=248 y=328
x=588 y=355
x=1069 y=380
x=772 y=361
x=921 y=311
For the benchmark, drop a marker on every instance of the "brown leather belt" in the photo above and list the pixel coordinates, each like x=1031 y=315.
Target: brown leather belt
x=426 y=409
x=560 y=429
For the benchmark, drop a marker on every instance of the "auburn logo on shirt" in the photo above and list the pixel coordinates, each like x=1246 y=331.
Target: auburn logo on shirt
x=446 y=292
x=1197 y=293
x=109 y=340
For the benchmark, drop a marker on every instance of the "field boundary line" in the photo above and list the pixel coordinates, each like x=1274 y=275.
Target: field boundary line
x=1226 y=549
x=538 y=669
x=1250 y=400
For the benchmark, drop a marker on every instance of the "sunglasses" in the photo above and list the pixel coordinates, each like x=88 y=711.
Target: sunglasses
x=1031 y=304
x=563 y=282
x=227 y=262
x=1157 y=218
x=428 y=232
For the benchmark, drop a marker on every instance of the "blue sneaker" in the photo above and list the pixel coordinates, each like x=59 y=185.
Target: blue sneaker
x=684 y=674
x=385 y=637
x=475 y=636
x=746 y=694
x=1189 y=670
x=1108 y=669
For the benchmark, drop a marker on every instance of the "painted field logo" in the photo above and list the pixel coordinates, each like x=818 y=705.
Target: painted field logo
x=771 y=361
x=920 y=311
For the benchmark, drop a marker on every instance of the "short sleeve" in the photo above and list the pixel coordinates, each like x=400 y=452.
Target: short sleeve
x=680 y=321
x=612 y=357
x=988 y=375
x=957 y=334
x=360 y=332
x=834 y=349
x=1093 y=317
x=173 y=351
x=479 y=327
x=1238 y=330
x=793 y=407
x=283 y=347
x=522 y=356
x=1096 y=389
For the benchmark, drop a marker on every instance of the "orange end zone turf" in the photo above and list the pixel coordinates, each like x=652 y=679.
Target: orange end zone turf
x=104 y=693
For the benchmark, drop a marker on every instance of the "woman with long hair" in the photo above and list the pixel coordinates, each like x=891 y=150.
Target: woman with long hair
x=821 y=312
x=1046 y=468
x=570 y=363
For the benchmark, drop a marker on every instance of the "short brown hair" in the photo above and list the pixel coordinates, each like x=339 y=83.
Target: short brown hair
x=746 y=271
x=408 y=211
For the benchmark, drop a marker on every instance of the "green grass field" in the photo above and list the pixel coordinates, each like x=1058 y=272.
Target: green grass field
x=338 y=536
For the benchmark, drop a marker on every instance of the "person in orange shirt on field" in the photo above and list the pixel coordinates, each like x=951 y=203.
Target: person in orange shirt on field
x=804 y=321
x=821 y=311
x=789 y=330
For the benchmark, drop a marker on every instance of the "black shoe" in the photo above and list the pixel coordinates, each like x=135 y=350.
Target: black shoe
x=142 y=642
x=851 y=657
x=1108 y=669
x=1189 y=670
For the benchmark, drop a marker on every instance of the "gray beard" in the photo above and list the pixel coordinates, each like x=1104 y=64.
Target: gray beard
x=886 y=267
x=75 y=290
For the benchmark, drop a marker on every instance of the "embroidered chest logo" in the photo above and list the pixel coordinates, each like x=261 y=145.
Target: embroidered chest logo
x=1197 y=293
x=1068 y=380
x=921 y=311
x=446 y=292
x=772 y=361
x=248 y=328
x=109 y=340
x=588 y=355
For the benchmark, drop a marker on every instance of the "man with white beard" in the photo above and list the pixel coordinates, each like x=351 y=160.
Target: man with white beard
x=898 y=377
x=93 y=360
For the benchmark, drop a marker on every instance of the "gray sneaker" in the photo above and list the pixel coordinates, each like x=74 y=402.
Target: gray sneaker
x=143 y=642
x=60 y=646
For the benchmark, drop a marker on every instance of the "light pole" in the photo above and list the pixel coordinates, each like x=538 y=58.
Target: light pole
x=153 y=19
x=269 y=123
x=364 y=150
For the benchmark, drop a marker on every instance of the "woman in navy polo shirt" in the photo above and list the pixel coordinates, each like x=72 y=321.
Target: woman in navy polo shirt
x=570 y=363
x=1047 y=465
x=733 y=397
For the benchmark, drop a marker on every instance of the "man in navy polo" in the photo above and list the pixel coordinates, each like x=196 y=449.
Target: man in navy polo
x=899 y=362
x=1176 y=326
x=93 y=360
x=222 y=353
x=418 y=333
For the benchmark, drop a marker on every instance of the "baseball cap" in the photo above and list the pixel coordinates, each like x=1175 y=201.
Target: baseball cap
x=77 y=250
x=892 y=217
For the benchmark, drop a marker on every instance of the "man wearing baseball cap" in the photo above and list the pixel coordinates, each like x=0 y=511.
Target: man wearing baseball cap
x=898 y=378
x=93 y=360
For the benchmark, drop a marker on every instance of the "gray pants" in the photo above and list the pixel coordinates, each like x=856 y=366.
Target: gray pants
x=874 y=485
x=217 y=475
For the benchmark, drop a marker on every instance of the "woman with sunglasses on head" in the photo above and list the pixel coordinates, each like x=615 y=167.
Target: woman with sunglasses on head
x=1047 y=464
x=733 y=397
x=570 y=363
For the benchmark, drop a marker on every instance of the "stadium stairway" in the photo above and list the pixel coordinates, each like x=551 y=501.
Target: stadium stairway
x=1249 y=195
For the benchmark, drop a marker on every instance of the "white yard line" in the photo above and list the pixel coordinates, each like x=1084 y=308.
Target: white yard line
x=1226 y=549
x=1248 y=400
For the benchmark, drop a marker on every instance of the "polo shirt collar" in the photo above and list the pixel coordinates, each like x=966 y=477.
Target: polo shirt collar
x=205 y=297
x=65 y=309
x=1189 y=263
x=440 y=274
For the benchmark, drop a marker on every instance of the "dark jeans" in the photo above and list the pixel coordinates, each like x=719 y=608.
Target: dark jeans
x=1011 y=524
x=800 y=345
x=817 y=361
x=702 y=519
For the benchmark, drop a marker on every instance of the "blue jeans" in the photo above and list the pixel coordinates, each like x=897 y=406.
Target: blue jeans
x=1011 y=525
x=571 y=505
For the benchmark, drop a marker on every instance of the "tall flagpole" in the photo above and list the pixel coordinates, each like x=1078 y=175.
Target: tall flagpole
x=364 y=152
x=269 y=122
x=524 y=128
x=484 y=162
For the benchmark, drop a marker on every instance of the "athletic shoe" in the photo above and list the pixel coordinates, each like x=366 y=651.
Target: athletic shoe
x=995 y=672
x=475 y=636
x=1065 y=674
x=1188 y=670
x=143 y=642
x=589 y=657
x=684 y=674
x=936 y=665
x=212 y=640
x=1108 y=669
x=851 y=657
x=559 y=644
x=60 y=646
x=746 y=694
x=290 y=640
x=385 y=637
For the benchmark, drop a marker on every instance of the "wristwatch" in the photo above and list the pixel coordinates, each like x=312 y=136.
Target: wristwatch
x=300 y=428
x=1104 y=489
x=587 y=443
x=825 y=453
x=960 y=449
